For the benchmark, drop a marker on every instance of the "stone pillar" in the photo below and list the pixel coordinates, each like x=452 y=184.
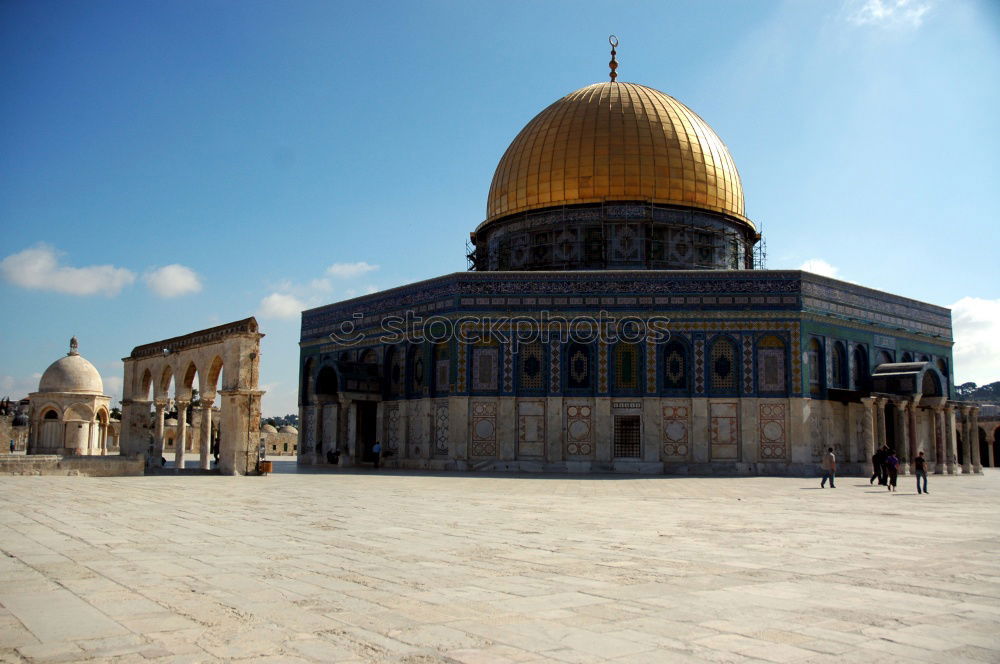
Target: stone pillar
x=352 y=432
x=180 y=441
x=966 y=448
x=867 y=430
x=912 y=413
x=161 y=406
x=327 y=439
x=951 y=439
x=134 y=434
x=977 y=462
x=206 y=434
x=240 y=431
x=905 y=436
x=880 y=421
x=939 y=431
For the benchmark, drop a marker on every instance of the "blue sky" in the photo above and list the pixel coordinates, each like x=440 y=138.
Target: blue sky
x=168 y=166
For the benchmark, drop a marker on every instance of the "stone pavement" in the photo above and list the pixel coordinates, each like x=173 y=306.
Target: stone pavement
x=423 y=568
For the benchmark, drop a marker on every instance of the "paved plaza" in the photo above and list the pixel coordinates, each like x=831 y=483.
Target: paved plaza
x=422 y=568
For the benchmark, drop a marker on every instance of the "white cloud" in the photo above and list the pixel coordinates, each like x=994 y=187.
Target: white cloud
x=350 y=270
x=173 y=280
x=820 y=267
x=976 y=326
x=38 y=268
x=18 y=387
x=281 y=305
x=888 y=13
x=113 y=388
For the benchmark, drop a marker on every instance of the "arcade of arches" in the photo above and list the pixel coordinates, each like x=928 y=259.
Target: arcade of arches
x=229 y=354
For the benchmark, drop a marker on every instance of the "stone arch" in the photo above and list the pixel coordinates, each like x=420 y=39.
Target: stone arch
x=327 y=383
x=942 y=366
x=187 y=383
x=883 y=357
x=930 y=384
x=229 y=352
x=210 y=379
x=907 y=356
x=78 y=411
x=146 y=385
x=166 y=375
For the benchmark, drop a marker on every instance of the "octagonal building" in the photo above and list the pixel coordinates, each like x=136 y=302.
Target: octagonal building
x=614 y=319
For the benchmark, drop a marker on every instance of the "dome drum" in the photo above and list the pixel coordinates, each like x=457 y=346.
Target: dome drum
x=614 y=236
x=615 y=175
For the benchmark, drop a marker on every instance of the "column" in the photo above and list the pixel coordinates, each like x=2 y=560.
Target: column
x=951 y=439
x=903 y=436
x=352 y=433
x=180 y=441
x=977 y=463
x=161 y=406
x=880 y=421
x=868 y=430
x=966 y=438
x=206 y=433
x=939 y=430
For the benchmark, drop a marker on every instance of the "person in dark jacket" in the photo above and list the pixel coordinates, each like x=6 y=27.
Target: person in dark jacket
x=920 y=470
x=877 y=460
x=892 y=468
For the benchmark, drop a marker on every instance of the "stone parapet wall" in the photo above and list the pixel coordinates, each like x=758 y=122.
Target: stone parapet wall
x=54 y=464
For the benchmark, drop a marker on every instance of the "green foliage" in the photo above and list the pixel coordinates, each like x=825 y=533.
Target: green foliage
x=972 y=392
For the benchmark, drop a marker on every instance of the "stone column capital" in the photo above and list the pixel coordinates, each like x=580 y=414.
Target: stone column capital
x=868 y=401
x=881 y=402
x=182 y=403
x=206 y=404
x=160 y=404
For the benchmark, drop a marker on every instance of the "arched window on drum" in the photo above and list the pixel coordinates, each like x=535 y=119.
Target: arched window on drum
x=816 y=374
x=626 y=368
x=723 y=367
x=772 y=376
x=675 y=375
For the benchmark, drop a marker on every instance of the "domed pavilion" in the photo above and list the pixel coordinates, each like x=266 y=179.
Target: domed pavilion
x=70 y=414
x=616 y=317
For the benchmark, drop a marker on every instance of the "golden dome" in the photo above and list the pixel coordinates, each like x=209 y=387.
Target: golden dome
x=616 y=142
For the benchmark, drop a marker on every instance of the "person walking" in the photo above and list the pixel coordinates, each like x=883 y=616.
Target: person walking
x=877 y=461
x=920 y=470
x=377 y=451
x=892 y=468
x=829 y=467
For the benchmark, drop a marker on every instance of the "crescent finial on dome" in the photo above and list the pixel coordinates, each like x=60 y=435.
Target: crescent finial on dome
x=74 y=347
x=614 y=63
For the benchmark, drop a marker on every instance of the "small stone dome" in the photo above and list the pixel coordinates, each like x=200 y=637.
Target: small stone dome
x=288 y=429
x=72 y=374
x=267 y=428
